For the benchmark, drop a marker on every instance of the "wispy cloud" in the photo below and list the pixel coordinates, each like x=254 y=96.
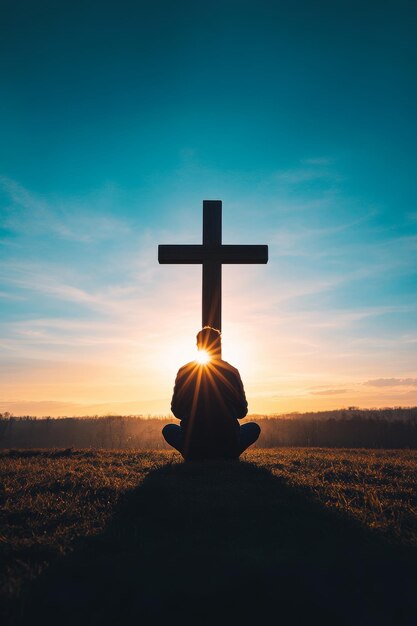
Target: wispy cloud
x=293 y=239
x=110 y=305
x=329 y=392
x=344 y=318
x=318 y=161
x=10 y=296
x=392 y=382
x=300 y=175
x=40 y=278
x=33 y=214
x=308 y=170
x=297 y=287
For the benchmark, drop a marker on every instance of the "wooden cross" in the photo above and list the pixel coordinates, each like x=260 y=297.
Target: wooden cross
x=212 y=254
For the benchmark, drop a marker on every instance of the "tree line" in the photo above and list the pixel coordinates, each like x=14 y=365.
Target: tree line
x=346 y=428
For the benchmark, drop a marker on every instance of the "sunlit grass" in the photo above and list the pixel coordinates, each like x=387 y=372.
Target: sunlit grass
x=52 y=498
x=376 y=487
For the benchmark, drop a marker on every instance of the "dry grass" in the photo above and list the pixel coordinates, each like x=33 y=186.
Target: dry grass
x=377 y=487
x=51 y=500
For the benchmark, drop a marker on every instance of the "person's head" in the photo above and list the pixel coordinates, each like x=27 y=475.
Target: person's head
x=209 y=339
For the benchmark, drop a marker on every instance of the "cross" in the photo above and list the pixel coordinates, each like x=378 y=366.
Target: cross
x=212 y=254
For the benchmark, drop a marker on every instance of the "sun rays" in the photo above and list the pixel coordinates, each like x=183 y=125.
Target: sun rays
x=202 y=357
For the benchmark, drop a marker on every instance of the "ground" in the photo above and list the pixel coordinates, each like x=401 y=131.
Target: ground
x=304 y=534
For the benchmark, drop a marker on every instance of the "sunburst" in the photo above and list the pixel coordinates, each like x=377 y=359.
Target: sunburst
x=203 y=357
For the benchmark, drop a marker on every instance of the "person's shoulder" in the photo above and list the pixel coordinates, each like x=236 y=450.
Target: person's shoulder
x=185 y=369
x=227 y=366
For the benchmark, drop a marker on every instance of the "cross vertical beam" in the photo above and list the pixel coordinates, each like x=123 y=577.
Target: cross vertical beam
x=212 y=268
x=212 y=254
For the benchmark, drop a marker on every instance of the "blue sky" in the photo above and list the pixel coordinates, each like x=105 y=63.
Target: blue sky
x=118 y=119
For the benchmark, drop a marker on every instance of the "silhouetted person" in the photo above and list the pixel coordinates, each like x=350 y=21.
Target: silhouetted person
x=209 y=399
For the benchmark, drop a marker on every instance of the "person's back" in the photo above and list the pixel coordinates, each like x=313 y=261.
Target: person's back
x=209 y=399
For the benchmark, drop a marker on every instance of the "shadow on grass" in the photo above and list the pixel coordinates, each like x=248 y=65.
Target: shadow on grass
x=227 y=542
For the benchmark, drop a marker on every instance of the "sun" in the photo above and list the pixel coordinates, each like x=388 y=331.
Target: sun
x=202 y=357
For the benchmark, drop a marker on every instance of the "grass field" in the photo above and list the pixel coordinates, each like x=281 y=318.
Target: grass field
x=109 y=537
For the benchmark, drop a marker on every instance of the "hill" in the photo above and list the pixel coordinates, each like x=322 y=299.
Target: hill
x=311 y=536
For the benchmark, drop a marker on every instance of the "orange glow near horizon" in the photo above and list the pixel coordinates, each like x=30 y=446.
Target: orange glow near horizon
x=127 y=365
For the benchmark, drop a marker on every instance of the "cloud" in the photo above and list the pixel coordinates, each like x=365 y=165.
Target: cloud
x=392 y=382
x=394 y=254
x=32 y=214
x=343 y=318
x=132 y=281
x=318 y=161
x=329 y=392
x=10 y=296
x=40 y=278
x=300 y=287
x=313 y=169
x=298 y=240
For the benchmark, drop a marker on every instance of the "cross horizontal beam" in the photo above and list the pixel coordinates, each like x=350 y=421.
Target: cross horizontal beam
x=221 y=254
x=212 y=255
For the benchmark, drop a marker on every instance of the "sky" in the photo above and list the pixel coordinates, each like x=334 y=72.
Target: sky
x=117 y=119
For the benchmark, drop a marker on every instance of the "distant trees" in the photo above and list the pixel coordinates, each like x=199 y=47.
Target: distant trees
x=346 y=428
